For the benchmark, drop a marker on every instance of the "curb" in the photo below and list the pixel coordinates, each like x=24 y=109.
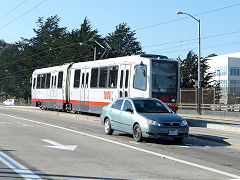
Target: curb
x=229 y=128
x=223 y=140
x=218 y=125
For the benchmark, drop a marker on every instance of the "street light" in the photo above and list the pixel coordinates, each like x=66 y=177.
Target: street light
x=199 y=63
x=95 y=49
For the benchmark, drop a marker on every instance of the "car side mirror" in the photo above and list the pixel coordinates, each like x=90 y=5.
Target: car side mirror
x=129 y=110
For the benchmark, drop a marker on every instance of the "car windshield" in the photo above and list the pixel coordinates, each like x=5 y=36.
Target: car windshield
x=150 y=106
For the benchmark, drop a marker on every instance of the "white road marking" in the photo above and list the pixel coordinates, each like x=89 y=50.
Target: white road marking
x=5 y=124
x=184 y=146
x=60 y=146
x=24 y=125
x=18 y=168
x=132 y=147
x=133 y=142
x=8 y=124
x=207 y=147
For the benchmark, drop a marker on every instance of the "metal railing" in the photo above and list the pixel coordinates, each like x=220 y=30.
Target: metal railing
x=215 y=99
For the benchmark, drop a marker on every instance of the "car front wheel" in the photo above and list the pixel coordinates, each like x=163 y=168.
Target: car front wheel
x=107 y=127
x=137 y=133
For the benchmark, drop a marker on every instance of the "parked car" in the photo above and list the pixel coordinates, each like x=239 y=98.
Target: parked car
x=143 y=118
x=11 y=102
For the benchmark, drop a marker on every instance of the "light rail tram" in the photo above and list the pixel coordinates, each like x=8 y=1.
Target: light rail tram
x=88 y=86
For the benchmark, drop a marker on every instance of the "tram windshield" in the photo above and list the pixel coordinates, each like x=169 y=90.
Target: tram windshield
x=165 y=80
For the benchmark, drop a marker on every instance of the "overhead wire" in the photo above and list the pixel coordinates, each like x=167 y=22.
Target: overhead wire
x=206 y=37
x=212 y=46
x=12 y=9
x=206 y=47
x=23 y=14
x=167 y=43
x=179 y=19
x=219 y=9
x=226 y=7
x=69 y=45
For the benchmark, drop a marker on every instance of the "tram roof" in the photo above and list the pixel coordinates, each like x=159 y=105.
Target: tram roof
x=110 y=61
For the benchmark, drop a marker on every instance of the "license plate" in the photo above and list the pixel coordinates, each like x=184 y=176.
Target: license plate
x=172 y=132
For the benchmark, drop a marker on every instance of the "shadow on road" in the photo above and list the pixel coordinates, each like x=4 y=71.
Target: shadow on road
x=7 y=173
x=192 y=140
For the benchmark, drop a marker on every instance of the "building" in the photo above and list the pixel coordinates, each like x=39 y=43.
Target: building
x=226 y=69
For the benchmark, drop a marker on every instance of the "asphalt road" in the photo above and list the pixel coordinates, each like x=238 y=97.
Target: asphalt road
x=38 y=144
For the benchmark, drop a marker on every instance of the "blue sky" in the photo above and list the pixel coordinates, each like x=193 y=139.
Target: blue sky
x=140 y=15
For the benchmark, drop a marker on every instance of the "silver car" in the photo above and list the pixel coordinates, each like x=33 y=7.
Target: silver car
x=143 y=118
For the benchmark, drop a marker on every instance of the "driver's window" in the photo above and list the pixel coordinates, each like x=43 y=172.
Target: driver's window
x=127 y=106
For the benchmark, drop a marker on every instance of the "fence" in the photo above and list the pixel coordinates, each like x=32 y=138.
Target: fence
x=224 y=99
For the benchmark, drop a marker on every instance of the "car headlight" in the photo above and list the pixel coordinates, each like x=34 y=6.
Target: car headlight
x=184 y=123
x=154 y=123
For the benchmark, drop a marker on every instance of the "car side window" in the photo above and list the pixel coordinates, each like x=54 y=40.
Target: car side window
x=127 y=106
x=117 y=104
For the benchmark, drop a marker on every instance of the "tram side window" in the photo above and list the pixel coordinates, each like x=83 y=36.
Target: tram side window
x=121 y=79
x=83 y=77
x=60 y=79
x=55 y=81
x=94 y=77
x=34 y=83
x=126 y=79
x=52 y=82
x=43 y=81
x=103 y=77
x=76 y=83
x=140 y=77
x=87 y=77
x=38 y=81
x=113 y=76
x=48 y=80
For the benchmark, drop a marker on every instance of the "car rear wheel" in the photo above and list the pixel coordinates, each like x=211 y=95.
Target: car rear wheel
x=137 y=133
x=107 y=127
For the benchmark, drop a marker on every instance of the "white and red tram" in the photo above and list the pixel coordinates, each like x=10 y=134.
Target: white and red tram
x=88 y=86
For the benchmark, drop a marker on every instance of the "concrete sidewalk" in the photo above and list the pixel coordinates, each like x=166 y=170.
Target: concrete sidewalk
x=231 y=124
x=214 y=128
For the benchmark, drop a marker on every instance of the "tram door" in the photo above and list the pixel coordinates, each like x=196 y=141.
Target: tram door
x=125 y=74
x=84 y=88
x=53 y=93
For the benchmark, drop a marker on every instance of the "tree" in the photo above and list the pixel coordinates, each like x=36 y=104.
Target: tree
x=84 y=35
x=189 y=71
x=20 y=59
x=123 y=41
x=43 y=46
x=2 y=44
x=10 y=80
x=206 y=76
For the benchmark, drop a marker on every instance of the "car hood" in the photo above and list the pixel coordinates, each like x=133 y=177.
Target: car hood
x=162 y=117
